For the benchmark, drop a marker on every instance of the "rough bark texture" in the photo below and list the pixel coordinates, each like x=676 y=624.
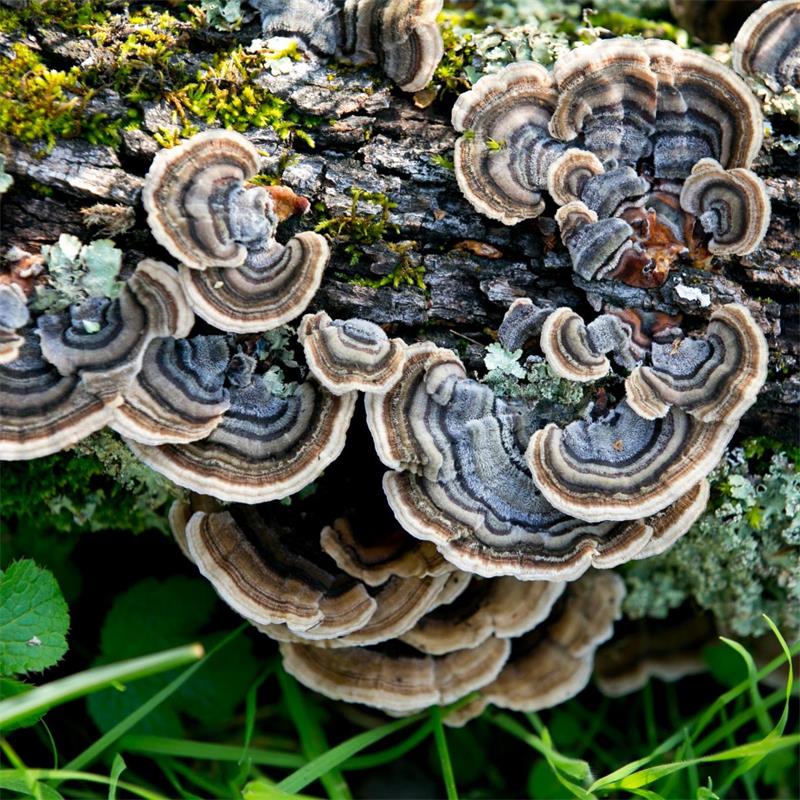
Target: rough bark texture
x=375 y=139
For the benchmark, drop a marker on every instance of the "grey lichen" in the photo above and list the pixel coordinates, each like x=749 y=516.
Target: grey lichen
x=6 y=180
x=740 y=560
x=76 y=271
x=222 y=14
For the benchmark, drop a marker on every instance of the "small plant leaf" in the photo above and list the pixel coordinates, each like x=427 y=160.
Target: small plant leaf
x=33 y=619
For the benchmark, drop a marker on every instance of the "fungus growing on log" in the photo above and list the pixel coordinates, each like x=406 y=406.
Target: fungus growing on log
x=265 y=447
x=179 y=395
x=399 y=35
x=732 y=206
x=104 y=341
x=374 y=559
x=350 y=355
x=14 y=315
x=768 y=45
x=715 y=377
x=522 y=323
x=611 y=135
x=623 y=466
x=274 y=285
x=42 y=412
x=394 y=676
x=198 y=206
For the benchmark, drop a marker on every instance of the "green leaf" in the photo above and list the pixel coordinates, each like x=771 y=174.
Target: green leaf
x=33 y=619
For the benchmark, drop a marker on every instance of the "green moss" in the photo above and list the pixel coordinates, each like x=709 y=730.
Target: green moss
x=358 y=228
x=450 y=76
x=742 y=558
x=406 y=273
x=69 y=15
x=98 y=485
x=624 y=25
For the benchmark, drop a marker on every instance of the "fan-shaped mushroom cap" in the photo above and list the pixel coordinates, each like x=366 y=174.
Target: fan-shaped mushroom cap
x=274 y=286
x=375 y=559
x=568 y=174
x=607 y=95
x=704 y=111
x=394 y=676
x=317 y=23
x=265 y=448
x=663 y=649
x=14 y=314
x=197 y=205
x=768 y=44
x=179 y=394
x=715 y=378
x=501 y=607
x=732 y=206
x=554 y=661
x=42 y=412
x=355 y=354
x=104 y=340
x=270 y=578
x=401 y=35
x=569 y=352
x=502 y=161
x=623 y=466
x=522 y=323
x=610 y=193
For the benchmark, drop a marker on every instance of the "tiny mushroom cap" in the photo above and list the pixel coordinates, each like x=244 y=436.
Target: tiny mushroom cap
x=668 y=649
x=267 y=578
x=502 y=607
x=503 y=158
x=402 y=35
x=623 y=466
x=522 y=323
x=273 y=286
x=715 y=378
x=376 y=558
x=197 y=205
x=568 y=174
x=104 y=340
x=768 y=45
x=179 y=394
x=14 y=314
x=569 y=352
x=265 y=448
x=554 y=661
x=355 y=354
x=394 y=676
x=42 y=412
x=732 y=206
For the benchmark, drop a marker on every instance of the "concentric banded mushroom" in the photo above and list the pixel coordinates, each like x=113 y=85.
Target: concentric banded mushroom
x=715 y=378
x=355 y=354
x=568 y=174
x=179 y=394
x=623 y=466
x=104 y=340
x=274 y=286
x=14 y=314
x=522 y=323
x=503 y=159
x=265 y=448
x=768 y=45
x=731 y=205
x=197 y=204
x=42 y=412
x=394 y=676
x=376 y=558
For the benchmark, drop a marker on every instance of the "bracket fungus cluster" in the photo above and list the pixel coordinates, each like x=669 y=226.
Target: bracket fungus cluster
x=399 y=35
x=644 y=147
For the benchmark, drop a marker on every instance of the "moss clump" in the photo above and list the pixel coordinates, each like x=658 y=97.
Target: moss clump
x=358 y=228
x=742 y=558
x=97 y=486
x=69 y=15
x=450 y=76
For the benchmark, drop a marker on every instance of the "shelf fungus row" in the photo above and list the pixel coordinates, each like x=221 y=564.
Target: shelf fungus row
x=391 y=625
x=201 y=209
x=645 y=148
x=399 y=35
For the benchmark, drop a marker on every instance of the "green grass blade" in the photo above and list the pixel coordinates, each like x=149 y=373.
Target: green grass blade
x=124 y=725
x=206 y=751
x=757 y=701
x=251 y=707
x=305 y=716
x=61 y=775
x=444 y=753
x=92 y=680
x=118 y=766
x=390 y=754
x=261 y=790
x=336 y=756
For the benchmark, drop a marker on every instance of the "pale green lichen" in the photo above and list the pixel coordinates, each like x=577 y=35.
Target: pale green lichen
x=76 y=271
x=6 y=180
x=222 y=14
x=741 y=559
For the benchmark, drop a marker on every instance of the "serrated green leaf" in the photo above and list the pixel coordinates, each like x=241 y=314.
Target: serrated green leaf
x=33 y=619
